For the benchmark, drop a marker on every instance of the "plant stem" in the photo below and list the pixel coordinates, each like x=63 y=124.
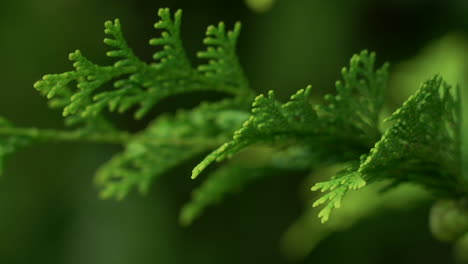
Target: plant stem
x=117 y=137
x=52 y=135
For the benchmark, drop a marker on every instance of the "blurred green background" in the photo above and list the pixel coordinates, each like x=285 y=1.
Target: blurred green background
x=49 y=209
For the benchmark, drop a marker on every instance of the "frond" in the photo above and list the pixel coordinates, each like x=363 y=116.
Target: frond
x=360 y=96
x=167 y=142
x=348 y=119
x=337 y=187
x=269 y=121
x=223 y=64
x=423 y=144
x=137 y=83
x=172 y=56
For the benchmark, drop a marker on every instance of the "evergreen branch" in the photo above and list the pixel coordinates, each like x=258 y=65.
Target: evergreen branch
x=122 y=138
x=342 y=129
x=173 y=54
x=337 y=187
x=360 y=97
x=223 y=64
x=150 y=153
x=269 y=121
x=139 y=83
x=423 y=144
x=52 y=135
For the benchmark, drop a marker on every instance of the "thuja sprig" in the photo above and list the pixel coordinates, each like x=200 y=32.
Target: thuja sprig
x=349 y=118
x=421 y=145
x=169 y=139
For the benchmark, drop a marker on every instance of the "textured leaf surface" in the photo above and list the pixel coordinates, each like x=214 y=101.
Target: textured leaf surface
x=339 y=129
x=167 y=142
x=141 y=84
x=423 y=144
x=337 y=187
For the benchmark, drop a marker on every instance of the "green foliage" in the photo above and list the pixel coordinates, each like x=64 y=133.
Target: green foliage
x=167 y=142
x=338 y=186
x=306 y=232
x=145 y=84
x=223 y=65
x=421 y=146
x=350 y=117
x=360 y=97
x=270 y=121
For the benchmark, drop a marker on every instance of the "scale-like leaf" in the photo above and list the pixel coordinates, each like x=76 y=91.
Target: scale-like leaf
x=341 y=129
x=167 y=142
x=139 y=83
x=422 y=146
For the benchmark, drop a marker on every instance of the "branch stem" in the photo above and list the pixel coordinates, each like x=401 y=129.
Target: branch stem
x=52 y=135
x=118 y=137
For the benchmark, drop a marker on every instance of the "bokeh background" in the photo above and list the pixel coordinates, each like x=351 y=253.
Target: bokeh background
x=49 y=208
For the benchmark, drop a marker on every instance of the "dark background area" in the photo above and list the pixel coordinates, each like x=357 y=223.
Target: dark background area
x=49 y=209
